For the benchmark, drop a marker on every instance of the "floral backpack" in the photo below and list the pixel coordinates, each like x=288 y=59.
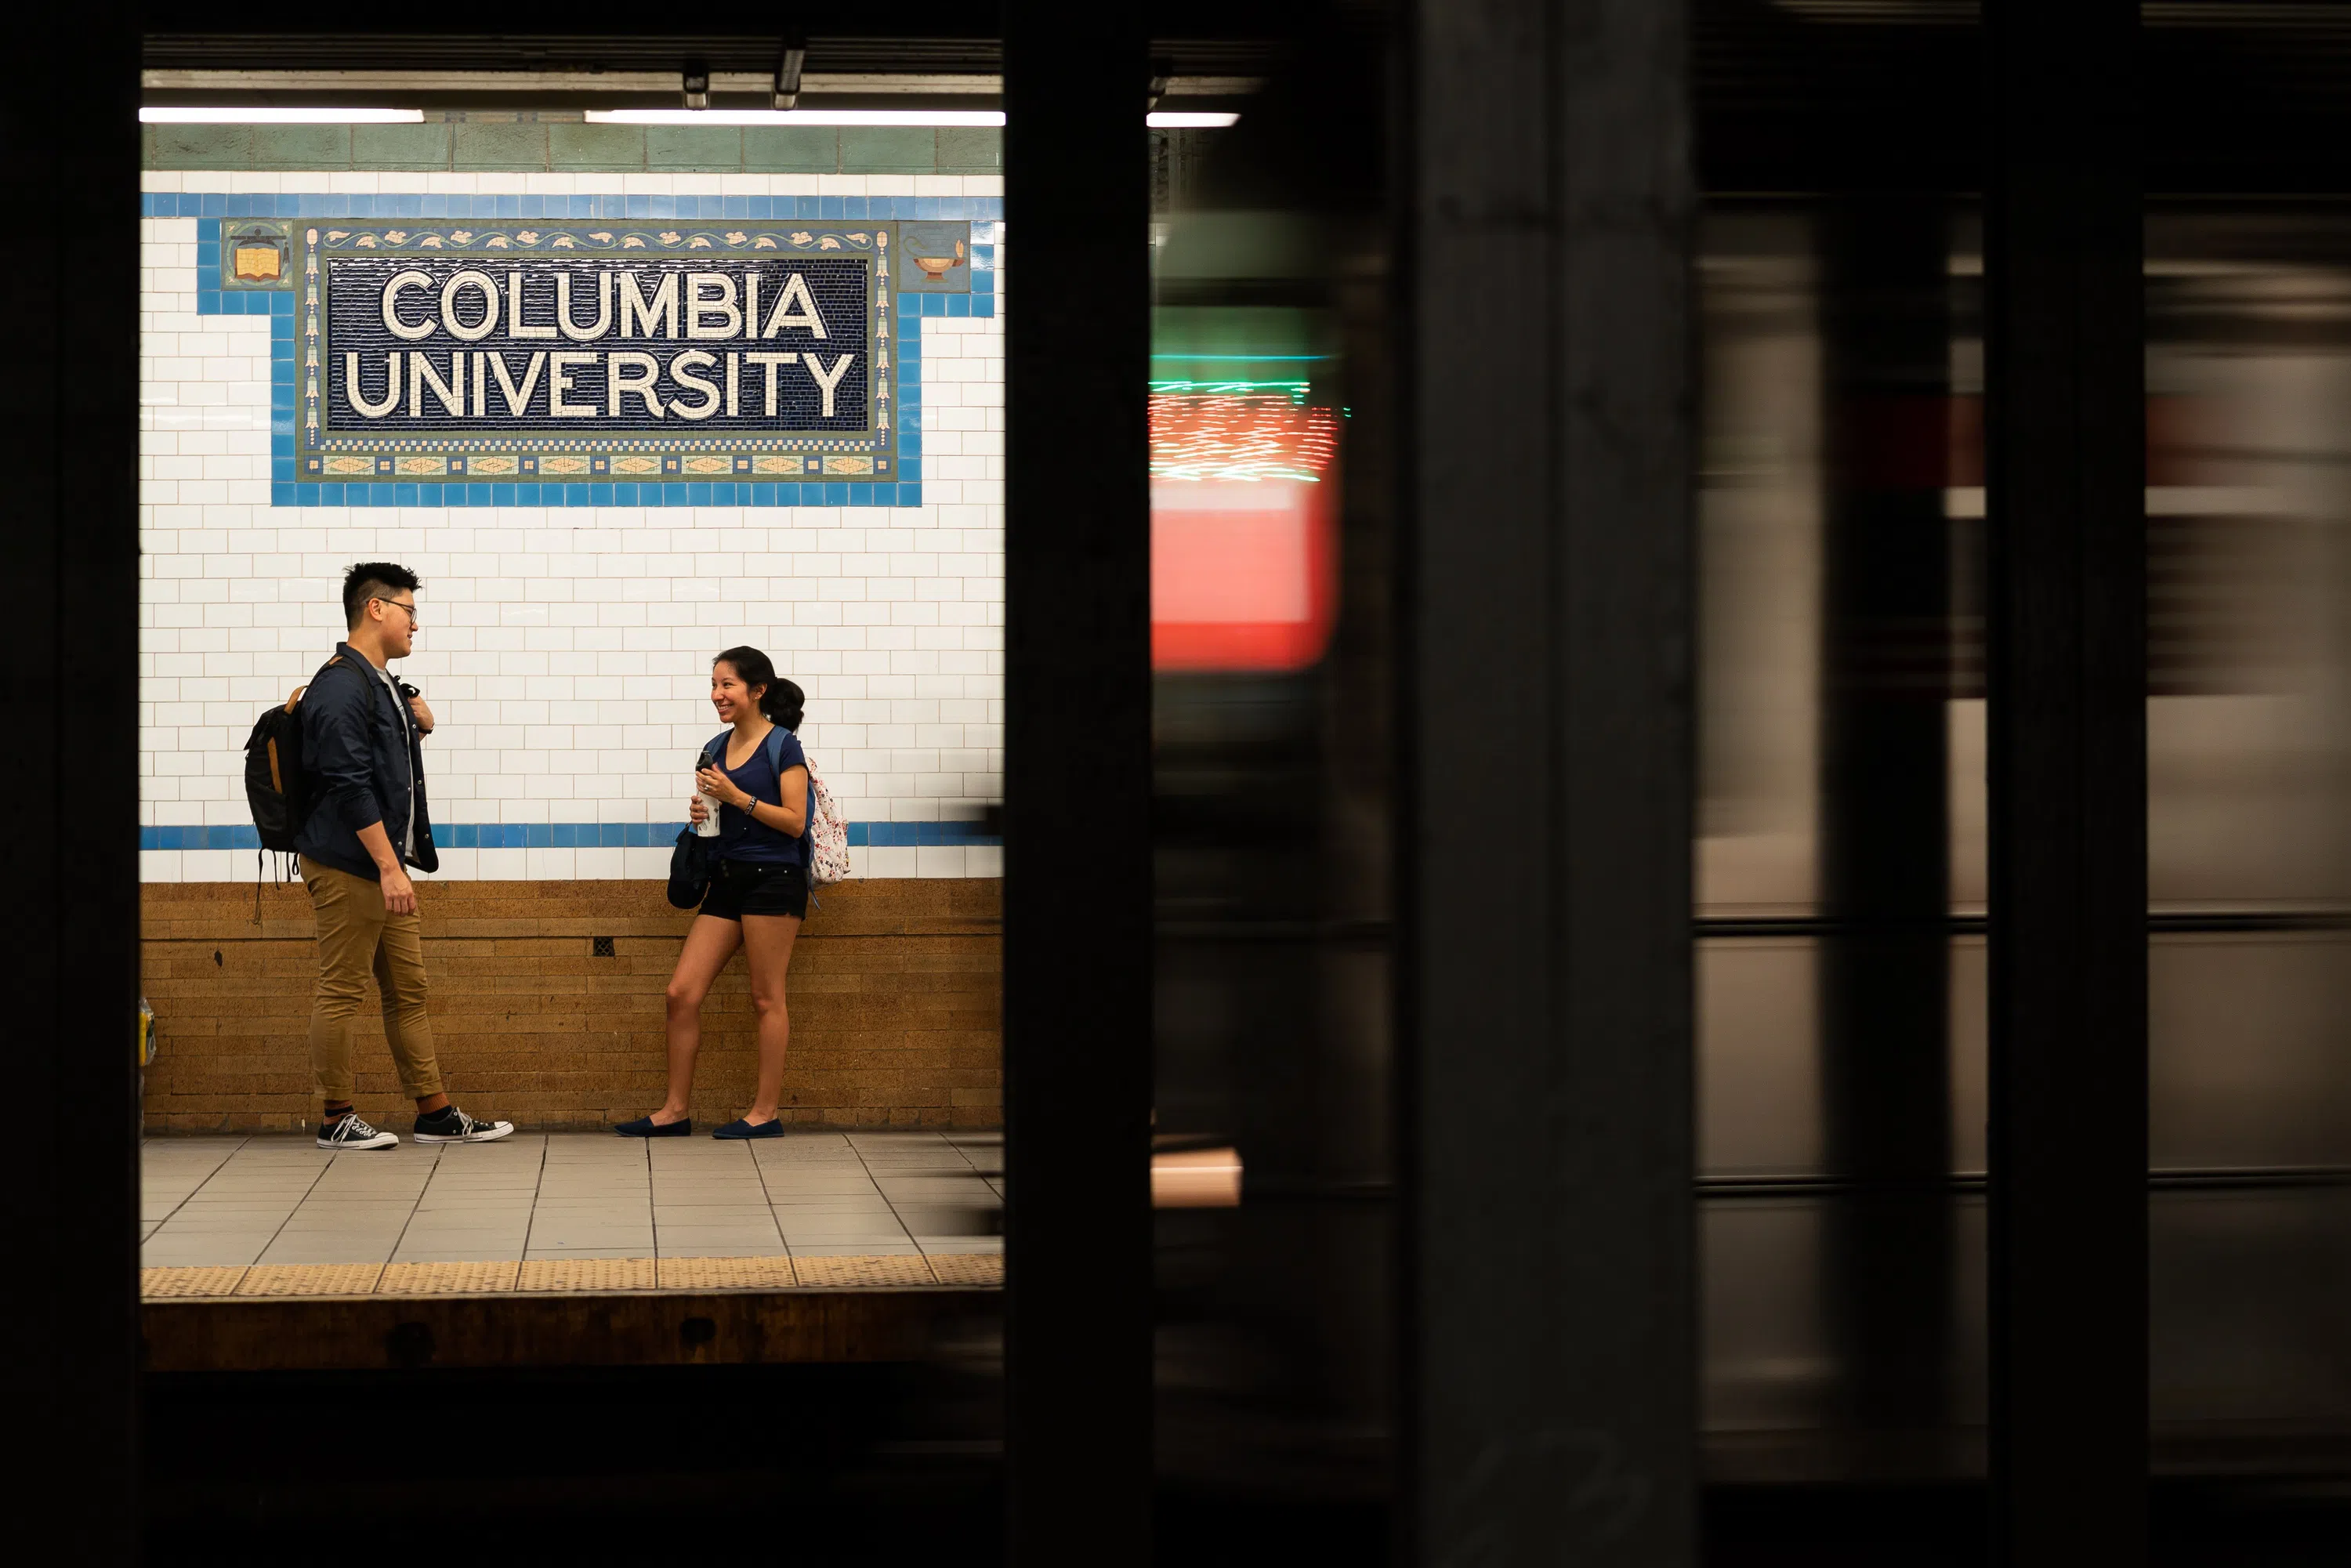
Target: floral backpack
x=828 y=835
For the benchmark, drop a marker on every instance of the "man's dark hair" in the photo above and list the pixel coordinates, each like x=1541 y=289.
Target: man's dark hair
x=372 y=580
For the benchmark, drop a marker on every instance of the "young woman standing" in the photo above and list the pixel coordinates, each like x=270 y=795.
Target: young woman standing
x=758 y=894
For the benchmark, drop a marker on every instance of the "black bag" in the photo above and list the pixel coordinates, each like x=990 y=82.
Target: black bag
x=277 y=786
x=691 y=866
x=693 y=862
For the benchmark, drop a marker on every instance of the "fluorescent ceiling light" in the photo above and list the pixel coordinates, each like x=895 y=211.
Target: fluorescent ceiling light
x=1185 y=120
x=217 y=114
x=796 y=117
x=214 y=114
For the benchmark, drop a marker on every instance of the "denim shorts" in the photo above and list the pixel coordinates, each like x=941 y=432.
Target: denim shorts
x=739 y=888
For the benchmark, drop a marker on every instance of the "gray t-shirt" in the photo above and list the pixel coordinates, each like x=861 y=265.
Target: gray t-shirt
x=400 y=707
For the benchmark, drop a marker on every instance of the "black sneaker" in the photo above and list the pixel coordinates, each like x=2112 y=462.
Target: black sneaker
x=451 y=1125
x=348 y=1131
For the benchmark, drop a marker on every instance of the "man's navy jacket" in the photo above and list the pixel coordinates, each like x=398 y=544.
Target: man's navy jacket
x=353 y=738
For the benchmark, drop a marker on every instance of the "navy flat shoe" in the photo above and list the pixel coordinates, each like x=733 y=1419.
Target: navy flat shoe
x=738 y=1128
x=643 y=1127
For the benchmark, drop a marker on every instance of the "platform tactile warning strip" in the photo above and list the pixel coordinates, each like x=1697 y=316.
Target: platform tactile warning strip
x=728 y=1274
x=446 y=1278
x=854 y=1270
x=156 y=1285
x=586 y=1274
x=969 y=1268
x=310 y=1280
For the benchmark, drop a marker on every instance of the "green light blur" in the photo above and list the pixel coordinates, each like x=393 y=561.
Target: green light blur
x=1296 y=390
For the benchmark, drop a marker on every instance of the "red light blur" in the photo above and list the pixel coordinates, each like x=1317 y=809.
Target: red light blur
x=1243 y=538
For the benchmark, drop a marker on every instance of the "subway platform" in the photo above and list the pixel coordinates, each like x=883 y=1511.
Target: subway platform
x=264 y=1252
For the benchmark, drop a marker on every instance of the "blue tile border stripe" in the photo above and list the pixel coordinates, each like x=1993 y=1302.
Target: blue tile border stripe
x=924 y=835
x=286 y=490
x=578 y=836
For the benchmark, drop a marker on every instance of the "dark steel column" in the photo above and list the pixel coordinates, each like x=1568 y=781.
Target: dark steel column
x=68 y=703
x=2065 y=446
x=1546 y=684
x=1077 y=789
x=1885 y=1064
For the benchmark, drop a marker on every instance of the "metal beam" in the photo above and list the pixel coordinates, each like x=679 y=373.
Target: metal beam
x=1548 y=745
x=68 y=689
x=2065 y=446
x=1884 y=965
x=1077 y=812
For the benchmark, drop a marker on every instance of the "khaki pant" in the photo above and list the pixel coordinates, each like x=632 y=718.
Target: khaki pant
x=356 y=939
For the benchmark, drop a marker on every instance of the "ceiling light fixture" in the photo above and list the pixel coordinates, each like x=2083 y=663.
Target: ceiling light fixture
x=239 y=114
x=796 y=117
x=1182 y=120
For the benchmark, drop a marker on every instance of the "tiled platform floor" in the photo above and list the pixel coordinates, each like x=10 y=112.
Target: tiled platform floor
x=270 y=1198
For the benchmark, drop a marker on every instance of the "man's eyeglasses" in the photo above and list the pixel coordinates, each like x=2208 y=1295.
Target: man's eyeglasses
x=397 y=604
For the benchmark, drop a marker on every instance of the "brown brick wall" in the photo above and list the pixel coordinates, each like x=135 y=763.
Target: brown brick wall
x=894 y=995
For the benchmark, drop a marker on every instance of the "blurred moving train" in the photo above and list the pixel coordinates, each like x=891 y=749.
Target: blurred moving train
x=1828 y=687
x=1840 y=846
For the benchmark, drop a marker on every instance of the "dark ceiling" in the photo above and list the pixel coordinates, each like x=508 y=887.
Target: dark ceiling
x=2250 y=97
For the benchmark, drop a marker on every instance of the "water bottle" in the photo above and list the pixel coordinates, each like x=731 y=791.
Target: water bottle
x=708 y=827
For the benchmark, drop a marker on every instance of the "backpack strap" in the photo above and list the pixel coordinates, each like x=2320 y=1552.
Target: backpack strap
x=301 y=689
x=775 y=764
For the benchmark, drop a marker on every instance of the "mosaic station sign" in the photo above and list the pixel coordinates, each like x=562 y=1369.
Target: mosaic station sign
x=450 y=350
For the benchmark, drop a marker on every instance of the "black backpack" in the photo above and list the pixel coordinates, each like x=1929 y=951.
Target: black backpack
x=276 y=785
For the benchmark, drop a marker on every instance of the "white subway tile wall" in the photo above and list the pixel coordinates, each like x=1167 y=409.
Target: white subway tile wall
x=566 y=651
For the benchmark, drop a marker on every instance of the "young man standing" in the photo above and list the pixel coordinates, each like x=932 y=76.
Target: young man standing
x=368 y=824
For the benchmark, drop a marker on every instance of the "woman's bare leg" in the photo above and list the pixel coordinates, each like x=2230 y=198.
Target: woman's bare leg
x=709 y=943
x=767 y=942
